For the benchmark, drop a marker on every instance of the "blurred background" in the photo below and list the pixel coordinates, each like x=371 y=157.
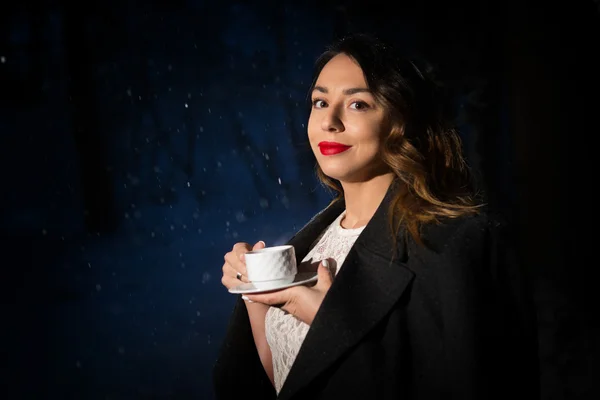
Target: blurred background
x=141 y=140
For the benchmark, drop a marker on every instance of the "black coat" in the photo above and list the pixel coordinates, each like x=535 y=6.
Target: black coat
x=450 y=321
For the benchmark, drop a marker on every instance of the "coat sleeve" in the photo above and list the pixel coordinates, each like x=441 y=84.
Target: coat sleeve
x=486 y=345
x=238 y=372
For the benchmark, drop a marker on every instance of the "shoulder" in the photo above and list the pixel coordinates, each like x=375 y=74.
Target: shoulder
x=459 y=240
x=468 y=228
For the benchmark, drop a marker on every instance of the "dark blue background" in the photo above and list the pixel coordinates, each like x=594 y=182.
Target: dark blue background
x=141 y=140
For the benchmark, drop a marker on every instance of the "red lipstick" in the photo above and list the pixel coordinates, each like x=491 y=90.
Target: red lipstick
x=331 y=148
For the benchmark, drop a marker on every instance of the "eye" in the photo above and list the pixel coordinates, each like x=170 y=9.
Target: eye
x=359 y=105
x=318 y=103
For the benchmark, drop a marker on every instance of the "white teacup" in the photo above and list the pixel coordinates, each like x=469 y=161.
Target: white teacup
x=271 y=266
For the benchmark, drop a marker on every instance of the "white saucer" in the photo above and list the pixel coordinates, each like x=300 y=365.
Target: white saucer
x=301 y=278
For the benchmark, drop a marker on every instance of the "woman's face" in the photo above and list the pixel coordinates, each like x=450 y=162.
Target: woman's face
x=346 y=125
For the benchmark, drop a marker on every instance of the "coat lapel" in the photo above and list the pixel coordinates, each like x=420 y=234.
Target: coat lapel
x=309 y=233
x=366 y=288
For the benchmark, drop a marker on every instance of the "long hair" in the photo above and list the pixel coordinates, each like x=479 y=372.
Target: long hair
x=423 y=149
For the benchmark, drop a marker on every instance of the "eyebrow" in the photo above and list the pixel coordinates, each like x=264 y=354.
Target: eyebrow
x=347 y=92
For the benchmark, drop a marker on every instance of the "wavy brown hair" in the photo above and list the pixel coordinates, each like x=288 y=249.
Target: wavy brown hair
x=423 y=148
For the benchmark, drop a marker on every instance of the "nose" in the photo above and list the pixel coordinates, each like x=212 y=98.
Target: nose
x=331 y=121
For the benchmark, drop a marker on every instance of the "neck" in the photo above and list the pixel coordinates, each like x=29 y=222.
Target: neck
x=363 y=198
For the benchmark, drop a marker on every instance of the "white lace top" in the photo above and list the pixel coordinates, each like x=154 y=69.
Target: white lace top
x=284 y=332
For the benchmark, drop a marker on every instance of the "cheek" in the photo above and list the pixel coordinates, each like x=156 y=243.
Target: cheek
x=311 y=128
x=370 y=135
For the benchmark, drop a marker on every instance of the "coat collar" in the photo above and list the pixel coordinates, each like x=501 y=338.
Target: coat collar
x=367 y=286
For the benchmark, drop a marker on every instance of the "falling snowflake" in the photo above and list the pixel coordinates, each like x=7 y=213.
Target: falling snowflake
x=240 y=217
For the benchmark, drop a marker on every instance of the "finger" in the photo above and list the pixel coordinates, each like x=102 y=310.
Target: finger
x=240 y=246
x=230 y=282
x=246 y=299
x=324 y=274
x=231 y=272
x=233 y=260
x=239 y=249
x=259 y=245
x=271 y=298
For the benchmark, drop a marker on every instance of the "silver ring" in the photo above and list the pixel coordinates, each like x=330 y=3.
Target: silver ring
x=239 y=276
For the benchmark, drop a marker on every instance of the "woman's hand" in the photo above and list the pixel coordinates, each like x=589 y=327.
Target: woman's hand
x=301 y=301
x=234 y=274
x=234 y=269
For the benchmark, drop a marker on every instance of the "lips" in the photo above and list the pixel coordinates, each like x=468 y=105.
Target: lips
x=331 y=148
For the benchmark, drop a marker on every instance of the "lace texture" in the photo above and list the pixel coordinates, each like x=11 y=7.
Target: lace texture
x=285 y=333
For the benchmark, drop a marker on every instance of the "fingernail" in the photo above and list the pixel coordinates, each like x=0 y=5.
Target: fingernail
x=245 y=298
x=325 y=263
x=261 y=241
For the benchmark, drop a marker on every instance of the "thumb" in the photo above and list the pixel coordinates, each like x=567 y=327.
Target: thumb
x=259 y=245
x=324 y=273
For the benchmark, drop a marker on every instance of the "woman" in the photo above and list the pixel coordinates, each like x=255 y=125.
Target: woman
x=417 y=296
